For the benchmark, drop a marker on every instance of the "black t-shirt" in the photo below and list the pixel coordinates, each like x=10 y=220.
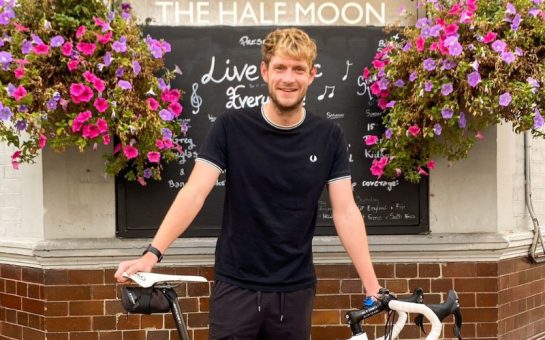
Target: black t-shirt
x=274 y=178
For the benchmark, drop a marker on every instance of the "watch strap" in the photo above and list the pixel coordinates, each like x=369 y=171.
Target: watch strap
x=154 y=251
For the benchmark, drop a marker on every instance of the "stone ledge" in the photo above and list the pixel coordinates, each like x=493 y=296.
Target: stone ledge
x=108 y=252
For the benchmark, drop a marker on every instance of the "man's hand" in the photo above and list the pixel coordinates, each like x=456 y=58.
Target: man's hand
x=143 y=264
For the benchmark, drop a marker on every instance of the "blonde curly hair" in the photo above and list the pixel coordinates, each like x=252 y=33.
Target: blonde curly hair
x=291 y=42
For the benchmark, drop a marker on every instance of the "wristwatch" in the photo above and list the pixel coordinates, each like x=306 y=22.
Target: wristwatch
x=154 y=251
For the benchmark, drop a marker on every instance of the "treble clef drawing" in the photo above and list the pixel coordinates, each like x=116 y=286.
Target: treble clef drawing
x=196 y=100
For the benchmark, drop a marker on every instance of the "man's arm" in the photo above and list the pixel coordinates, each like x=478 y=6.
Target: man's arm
x=351 y=230
x=181 y=213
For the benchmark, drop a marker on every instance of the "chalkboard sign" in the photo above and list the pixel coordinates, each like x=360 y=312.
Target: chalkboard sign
x=220 y=67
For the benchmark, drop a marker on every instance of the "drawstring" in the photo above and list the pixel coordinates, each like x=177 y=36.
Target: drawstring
x=282 y=296
x=282 y=302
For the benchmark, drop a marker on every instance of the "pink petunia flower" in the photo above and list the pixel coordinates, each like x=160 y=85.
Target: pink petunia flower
x=86 y=48
x=80 y=93
x=19 y=72
x=99 y=85
x=66 y=49
x=430 y=164
x=19 y=93
x=130 y=152
x=371 y=140
x=153 y=104
x=154 y=156
x=101 y=105
x=72 y=65
x=106 y=139
x=80 y=31
x=414 y=130
x=84 y=116
x=41 y=49
x=104 y=39
x=42 y=141
x=366 y=73
x=102 y=125
x=90 y=131
x=169 y=96
x=176 y=108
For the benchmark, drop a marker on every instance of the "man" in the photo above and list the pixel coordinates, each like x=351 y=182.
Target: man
x=278 y=159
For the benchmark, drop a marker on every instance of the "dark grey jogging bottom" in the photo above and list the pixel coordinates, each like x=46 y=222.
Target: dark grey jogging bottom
x=241 y=314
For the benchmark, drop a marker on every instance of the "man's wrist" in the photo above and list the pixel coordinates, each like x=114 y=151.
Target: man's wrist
x=151 y=249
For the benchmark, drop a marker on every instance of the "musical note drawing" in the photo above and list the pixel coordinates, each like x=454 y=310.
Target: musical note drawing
x=348 y=64
x=196 y=100
x=330 y=95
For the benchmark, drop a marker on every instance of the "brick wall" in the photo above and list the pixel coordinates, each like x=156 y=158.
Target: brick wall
x=500 y=300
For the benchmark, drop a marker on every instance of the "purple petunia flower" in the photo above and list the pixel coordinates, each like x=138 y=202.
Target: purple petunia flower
x=413 y=76
x=36 y=39
x=21 y=125
x=136 y=68
x=407 y=47
x=428 y=86
x=532 y=82
x=446 y=89
x=499 y=46
x=399 y=83
x=391 y=104
x=147 y=173
x=125 y=85
x=505 y=99
x=455 y=49
x=383 y=84
x=5 y=17
x=120 y=46
x=519 y=52
x=447 y=113
x=167 y=133
x=166 y=115
x=508 y=57
x=5 y=57
x=510 y=9
x=516 y=22
x=162 y=85
x=437 y=129
x=107 y=59
x=429 y=64
x=448 y=65
x=534 y=12
x=51 y=104
x=538 y=119
x=11 y=89
x=462 y=122
x=26 y=47
x=435 y=31
x=22 y=108
x=422 y=22
x=119 y=72
x=57 y=41
x=388 y=133
x=474 y=78
x=425 y=32
x=5 y=113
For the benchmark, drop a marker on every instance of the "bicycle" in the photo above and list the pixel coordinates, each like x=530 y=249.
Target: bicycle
x=156 y=294
x=435 y=313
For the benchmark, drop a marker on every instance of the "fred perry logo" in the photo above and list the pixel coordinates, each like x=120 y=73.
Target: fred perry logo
x=313 y=158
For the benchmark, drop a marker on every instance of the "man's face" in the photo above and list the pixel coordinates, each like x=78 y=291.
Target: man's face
x=288 y=80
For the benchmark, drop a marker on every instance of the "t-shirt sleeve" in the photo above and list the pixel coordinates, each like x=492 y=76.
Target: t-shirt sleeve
x=340 y=168
x=214 y=149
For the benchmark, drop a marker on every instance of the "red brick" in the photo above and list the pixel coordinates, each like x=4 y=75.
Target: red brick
x=67 y=293
x=11 y=272
x=56 y=308
x=10 y=301
x=33 y=275
x=198 y=289
x=55 y=277
x=153 y=321
x=331 y=302
x=84 y=336
x=476 y=284
x=76 y=277
x=33 y=334
x=429 y=270
x=326 y=317
x=384 y=271
x=406 y=270
x=459 y=269
x=104 y=322
x=68 y=324
x=95 y=307
x=196 y=320
x=328 y=287
x=332 y=271
x=103 y=292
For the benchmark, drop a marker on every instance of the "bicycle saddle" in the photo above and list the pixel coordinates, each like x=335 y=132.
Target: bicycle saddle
x=146 y=280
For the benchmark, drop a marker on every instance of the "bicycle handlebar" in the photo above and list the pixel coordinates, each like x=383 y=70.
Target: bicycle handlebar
x=413 y=304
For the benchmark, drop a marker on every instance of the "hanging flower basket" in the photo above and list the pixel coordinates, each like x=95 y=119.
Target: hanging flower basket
x=464 y=67
x=77 y=74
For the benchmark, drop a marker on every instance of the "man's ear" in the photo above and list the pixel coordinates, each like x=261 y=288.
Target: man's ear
x=313 y=72
x=264 y=71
